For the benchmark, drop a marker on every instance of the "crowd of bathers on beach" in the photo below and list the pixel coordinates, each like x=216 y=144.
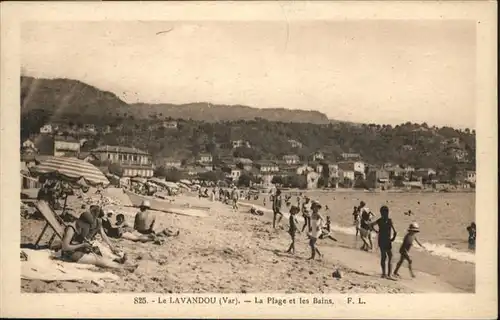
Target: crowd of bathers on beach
x=78 y=243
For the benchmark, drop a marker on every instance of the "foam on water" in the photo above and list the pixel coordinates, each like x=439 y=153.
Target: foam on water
x=435 y=249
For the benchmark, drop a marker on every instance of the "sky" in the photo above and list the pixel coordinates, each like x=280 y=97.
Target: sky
x=385 y=72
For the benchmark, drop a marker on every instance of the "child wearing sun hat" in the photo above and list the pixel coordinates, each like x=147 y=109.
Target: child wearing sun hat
x=406 y=246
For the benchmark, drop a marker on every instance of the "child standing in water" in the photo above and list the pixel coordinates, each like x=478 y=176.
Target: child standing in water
x=385 y=228
x=406 y=246
x=293 y=229
x=472 y=236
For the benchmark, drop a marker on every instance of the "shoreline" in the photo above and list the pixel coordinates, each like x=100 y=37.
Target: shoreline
x=231 y=252
x=462 y=277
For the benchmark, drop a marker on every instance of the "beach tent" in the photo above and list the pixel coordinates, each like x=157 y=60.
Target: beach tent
x=171 y=185
x=186 y=182
x=165 y=184
x=139 y=179
x=183 y=186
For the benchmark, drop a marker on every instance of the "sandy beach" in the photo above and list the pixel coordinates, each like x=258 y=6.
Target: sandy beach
x=236 y=252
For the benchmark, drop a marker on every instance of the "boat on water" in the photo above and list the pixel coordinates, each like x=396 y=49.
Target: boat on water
x=164 y=205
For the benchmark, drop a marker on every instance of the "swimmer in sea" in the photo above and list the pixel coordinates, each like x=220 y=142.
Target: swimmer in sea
x=472 y=236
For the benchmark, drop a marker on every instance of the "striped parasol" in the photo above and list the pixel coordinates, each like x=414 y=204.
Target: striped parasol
x=73 y=169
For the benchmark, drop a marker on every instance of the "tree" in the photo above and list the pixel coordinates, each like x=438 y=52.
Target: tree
x=295 y=181
x=115 y=169
x=277 y=180
x=360 y=183
x=325 y=172
x=244 y=180
x=173 y=175
x=161 y=172
x=347 y=183
x=213 y=176
x=322 y=182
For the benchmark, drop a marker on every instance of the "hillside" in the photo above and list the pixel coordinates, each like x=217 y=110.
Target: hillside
x=59 y=96
x=64 y=96
x=203 y=128
x=213 y=113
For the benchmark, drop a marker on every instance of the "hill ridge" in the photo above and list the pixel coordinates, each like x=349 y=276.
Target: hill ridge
x=60 y=95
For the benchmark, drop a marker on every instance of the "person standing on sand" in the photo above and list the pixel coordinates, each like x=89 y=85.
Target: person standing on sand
x=356 y=220
x=306 y=213
x=293 y=229
x=235 y=196
x=316 y=223
x=406 y=246
x=277 y=208
x=385 y=227
x=365 y=228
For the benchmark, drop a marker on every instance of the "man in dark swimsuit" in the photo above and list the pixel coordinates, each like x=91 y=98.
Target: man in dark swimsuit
x=385 y=240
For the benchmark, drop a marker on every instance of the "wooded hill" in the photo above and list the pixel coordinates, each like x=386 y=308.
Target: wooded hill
x=74 y=103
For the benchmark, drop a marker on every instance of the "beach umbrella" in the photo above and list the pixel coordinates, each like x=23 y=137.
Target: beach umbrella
x=186 y=182
x=71 y=169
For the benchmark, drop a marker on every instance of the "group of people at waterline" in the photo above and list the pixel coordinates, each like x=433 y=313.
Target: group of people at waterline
x=318 y=227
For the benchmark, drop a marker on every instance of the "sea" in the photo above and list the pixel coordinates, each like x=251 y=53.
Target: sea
x=442 y=217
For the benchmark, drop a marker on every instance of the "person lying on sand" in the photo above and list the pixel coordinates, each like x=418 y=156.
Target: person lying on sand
x=316 y=223
x=293 y=229
x=326 y=231
x=77 y=243
x=144 y=222
x=406 y=246
x=256 y=212
x=385 y=227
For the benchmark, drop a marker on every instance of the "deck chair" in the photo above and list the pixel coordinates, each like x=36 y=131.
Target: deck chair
x=53 y=221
